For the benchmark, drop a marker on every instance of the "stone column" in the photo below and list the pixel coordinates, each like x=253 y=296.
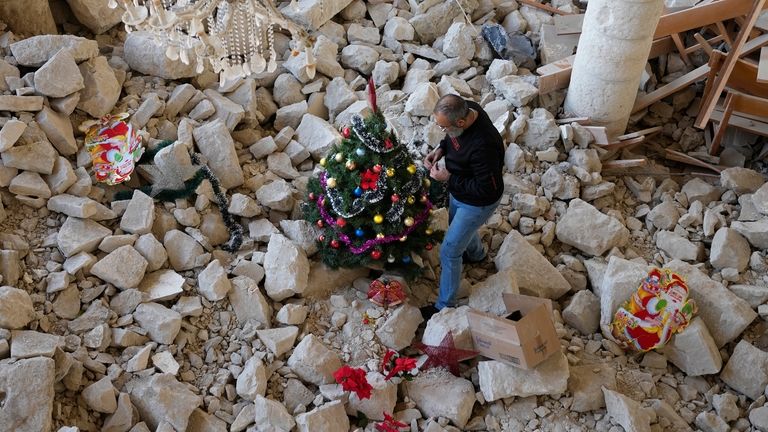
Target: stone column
x=615 y=42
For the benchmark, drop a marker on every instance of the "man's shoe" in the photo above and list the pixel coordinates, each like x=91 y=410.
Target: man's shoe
x=465 y=259
x=428 y=311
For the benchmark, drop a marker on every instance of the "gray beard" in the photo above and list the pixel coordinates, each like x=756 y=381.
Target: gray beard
x=455 y=134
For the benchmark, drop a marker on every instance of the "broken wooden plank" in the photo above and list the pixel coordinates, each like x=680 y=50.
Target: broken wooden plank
x=700 y=16
x=640 y=133
x=600 y=134
x=762 y=69
x=569 y=24
x=624 y=164
x=754 y=45
x=546 y=7
x=584 y=121
x=743 y=122
x=671 y=88
x=710 y=100
x=690 y=160
x=624 y=145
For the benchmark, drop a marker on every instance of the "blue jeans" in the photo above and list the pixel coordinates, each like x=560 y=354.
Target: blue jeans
x=463 y=222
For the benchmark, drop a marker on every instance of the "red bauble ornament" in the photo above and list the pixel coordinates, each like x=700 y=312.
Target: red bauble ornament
x=335 y=244
x=428 y=246
x=395 y=198
x=345 y=132
x=312 y=196
x=341 y=222
x=320 y=223
x=377 y=168
x=387 y=143
x=321 y=238
x=376 y=254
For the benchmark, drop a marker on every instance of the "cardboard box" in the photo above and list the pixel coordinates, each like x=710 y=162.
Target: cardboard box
x=524 y=338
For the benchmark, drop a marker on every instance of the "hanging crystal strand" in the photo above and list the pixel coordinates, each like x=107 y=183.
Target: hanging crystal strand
x=241 y=41
x=272 y=65
x=254 y=28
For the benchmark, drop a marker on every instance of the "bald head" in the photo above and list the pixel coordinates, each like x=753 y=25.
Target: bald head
x=452 y=107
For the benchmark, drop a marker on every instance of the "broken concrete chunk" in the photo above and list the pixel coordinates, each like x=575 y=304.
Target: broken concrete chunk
x=535 y=274
x=59 y=76
x=248 y=301
x=627 y=412
x=100 y=396
x=313 y=362
x=286 y=267
x=124 y=267
x=499 y=380
x=252 y=381
x=216 y=144
x=160 y=398
x=183 y=251
x=590 y=230
x=694 y=351
x=329 y=417
x=27 y=388
x=747 y=370
x=102 y=90
x=162 y=324
x=16 y=309
x=440 y=394
x=80 y=235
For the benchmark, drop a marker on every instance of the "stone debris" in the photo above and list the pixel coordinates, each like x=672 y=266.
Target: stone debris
x=499 y=380
x=626 y=412
x=313 y=362
x=440 y=394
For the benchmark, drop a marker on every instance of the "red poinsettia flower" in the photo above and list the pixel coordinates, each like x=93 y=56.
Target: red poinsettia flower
x=400 y=364
x=369 y=179
x=353 y=380
x=390 y=424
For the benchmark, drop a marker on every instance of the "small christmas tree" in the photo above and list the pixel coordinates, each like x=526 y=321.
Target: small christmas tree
x=371 y=201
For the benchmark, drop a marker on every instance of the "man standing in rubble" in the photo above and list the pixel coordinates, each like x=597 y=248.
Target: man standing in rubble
x=473 y=153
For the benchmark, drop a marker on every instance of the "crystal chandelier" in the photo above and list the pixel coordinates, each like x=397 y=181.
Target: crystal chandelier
x=235 y=36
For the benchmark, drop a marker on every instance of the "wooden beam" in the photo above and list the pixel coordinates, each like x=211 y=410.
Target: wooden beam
x=624 y=145
x=546 y=7
x=584 y=121
x=690 y=160
x=700 y=16
x=762 y=69
x=754 y=45
x=710 y=100
x=640 y=133
x=624 y=164
x=671 y=88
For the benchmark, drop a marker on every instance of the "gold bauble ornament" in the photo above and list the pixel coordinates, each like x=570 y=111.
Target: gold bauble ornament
x=423 y=198
x=427 y=182
x=380 y=235
x=408 y=221
x=411 y=199
x=378 y=219
x=322 y=162
x=428 y=231
x=339 y=157
x=390 y=172
x=411 y=169
x=403 y=238
x=331 y=182
x=351 y=165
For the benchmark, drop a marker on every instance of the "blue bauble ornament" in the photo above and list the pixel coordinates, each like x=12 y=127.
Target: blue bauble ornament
x=359 y=232
x=406 y=259
x=358 y=191
x=360 y=151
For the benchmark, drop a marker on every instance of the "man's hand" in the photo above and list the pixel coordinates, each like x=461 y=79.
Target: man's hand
x=439 y=173
x=432 y=158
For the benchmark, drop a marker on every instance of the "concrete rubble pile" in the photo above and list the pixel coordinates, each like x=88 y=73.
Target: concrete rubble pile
x=127 y=316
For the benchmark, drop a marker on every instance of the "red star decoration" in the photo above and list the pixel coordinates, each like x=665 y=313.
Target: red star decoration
x=444 y=355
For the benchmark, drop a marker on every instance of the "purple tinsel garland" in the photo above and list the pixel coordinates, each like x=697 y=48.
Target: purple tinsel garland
x=357 y=250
